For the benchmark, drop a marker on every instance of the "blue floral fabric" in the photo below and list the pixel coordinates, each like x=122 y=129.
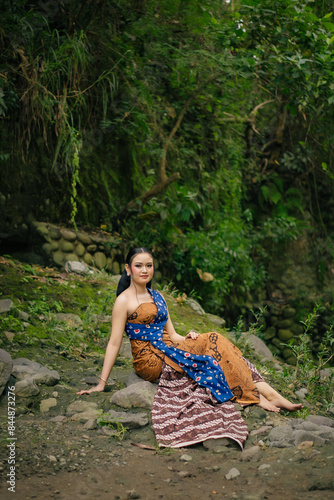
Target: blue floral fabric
x=203 y=369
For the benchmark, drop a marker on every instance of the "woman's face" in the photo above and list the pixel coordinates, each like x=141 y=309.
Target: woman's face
x=142 y=268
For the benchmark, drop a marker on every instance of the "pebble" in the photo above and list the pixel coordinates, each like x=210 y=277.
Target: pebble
x=232 y=473
x=185 y=458
x=264 y=466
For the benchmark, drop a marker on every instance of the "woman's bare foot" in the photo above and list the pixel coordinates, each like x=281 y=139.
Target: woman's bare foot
x=267 y=405
x=275 y=398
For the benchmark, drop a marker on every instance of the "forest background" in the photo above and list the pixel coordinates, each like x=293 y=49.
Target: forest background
x=201 y=129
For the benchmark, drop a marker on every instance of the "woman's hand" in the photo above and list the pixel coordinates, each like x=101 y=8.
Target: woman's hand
x=98 y=388
x=192 y=335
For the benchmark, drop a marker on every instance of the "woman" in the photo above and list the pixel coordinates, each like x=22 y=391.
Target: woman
x=200 y=375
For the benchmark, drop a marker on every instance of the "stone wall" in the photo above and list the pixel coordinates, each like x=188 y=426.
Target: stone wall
x=60 y=245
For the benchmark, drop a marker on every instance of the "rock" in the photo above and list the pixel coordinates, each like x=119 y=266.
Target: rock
x=125 y=351
x=76 y=267
x=220 y=444
x=54 y=233
x=23 y=315
x=23 y=368
x=91 y=248
x=69 y=318
x=66 y=246
x=83 y=411
x=100 y=260
x=262 y=430
x=186 y=458
x=84 y=238
x=195 y=306
x=216 y=320
x=320 y=420
x=281 y=437
x=6 y=366
x=58 y=258
x=6 y=305
x=80 y=250
x=299 y=436
x=270 y=333
x=133 y=378
x=68 y=235
x=26 y=387
x=304 y=445
x=128 y=419
x=88 y=259
x=284 y=335
x=301 y=393
x=232 y=473
x=116 y=268
x=139 y=395
x=10 y=336
x=260 y=347
x=251 y=454
x=52 y=458
x=71 y=257
x=46 y=404
x=59 y=419
x=48 y=248
x=91 y=424
x=264 y=467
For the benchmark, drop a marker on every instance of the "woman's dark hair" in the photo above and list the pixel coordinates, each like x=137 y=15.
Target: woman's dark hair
x=125 y=280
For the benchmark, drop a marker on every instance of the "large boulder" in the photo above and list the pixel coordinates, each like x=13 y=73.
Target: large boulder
x=6 y=366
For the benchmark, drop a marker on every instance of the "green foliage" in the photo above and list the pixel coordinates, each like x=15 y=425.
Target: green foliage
x=101 y=106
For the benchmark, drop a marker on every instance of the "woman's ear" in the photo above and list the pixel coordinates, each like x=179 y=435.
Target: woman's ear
x=127 y=269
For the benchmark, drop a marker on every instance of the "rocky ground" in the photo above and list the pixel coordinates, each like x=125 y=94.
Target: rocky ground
x=102 y=445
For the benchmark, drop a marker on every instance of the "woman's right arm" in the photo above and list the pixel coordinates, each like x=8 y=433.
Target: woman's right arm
x=119 y=318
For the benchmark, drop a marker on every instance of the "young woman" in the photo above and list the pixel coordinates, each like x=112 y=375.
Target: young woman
x=201 y=376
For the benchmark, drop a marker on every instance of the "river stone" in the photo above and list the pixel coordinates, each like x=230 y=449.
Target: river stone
x=216 y=320
x=23 y=315
x=71 y=257
x=58 y=258
x=76 y=267
x=69 y=318
x=66 y=246
x=50 y=247
x=88 y=259
x=47 y=404
x=128 y=419
x=285 y=335
x=133 y=378
x=138 y=395
x=6 y=305
x=41 y=228
x=80 y=250
x=297 y=329
x=6 y=366
x=260 y=347
x=83 y=411
x=252 y=454
x=68 y=235
x=100 y=260
x=232 y=473
x=285 y=324
x=84 y=238
x=26 y=387
x=91 y=248
x=116 y=268
x=288 y=312
x=24 y=368
x=54 y=233
x=270 y=333
x=195 y=306
x=320 y=420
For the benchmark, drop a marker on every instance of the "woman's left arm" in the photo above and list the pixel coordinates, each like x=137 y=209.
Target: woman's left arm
x=175 y=337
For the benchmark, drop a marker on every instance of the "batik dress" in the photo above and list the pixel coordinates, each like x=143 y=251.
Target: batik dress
x=193 y=403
